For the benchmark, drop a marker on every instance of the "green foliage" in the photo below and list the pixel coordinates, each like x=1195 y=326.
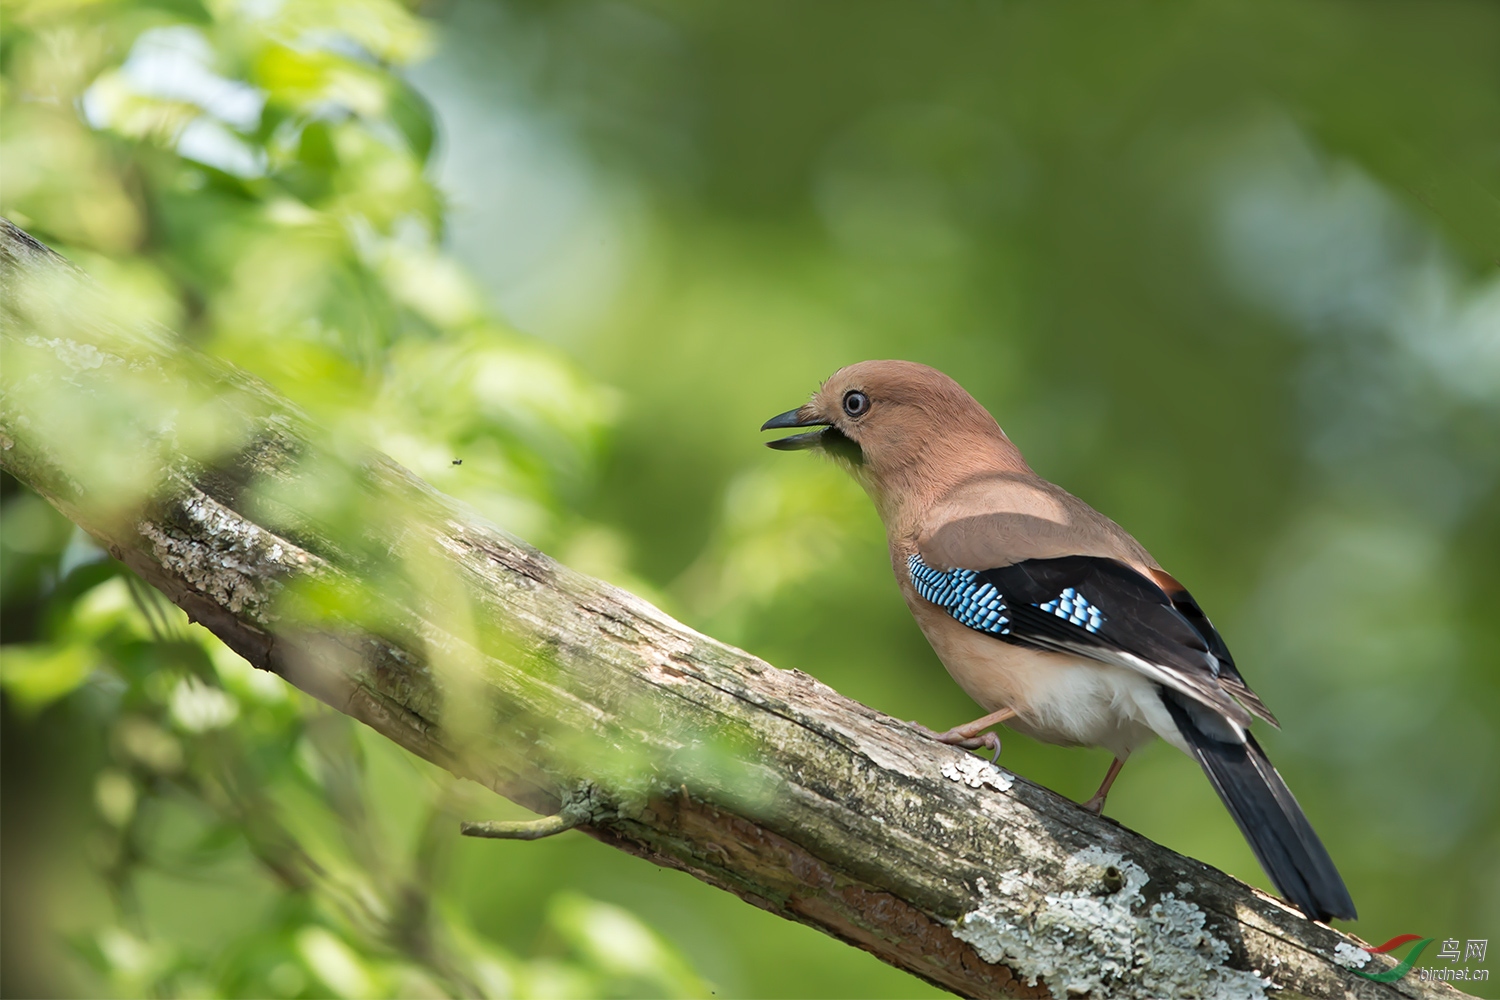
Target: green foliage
x=253 y=178
x=256 y=176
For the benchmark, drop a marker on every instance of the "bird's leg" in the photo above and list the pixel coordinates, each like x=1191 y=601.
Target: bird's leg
x=972 y=735
x=1095 y=805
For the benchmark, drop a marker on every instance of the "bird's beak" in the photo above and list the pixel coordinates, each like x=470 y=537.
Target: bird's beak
x=799 y=417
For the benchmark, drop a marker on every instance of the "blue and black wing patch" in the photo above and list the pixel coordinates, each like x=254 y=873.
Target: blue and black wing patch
x=1093 y=607
x=975 y=601
x=970 y=600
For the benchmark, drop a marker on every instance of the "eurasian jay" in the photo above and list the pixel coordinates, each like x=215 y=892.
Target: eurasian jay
x=1046 y=612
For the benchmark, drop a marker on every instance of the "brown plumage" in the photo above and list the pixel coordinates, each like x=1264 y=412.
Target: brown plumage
x=1047 y=613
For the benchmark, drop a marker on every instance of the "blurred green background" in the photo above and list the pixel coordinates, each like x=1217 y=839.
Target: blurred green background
x=1227 y=271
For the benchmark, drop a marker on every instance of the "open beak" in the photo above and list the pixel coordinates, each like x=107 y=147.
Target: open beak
x=795 y=418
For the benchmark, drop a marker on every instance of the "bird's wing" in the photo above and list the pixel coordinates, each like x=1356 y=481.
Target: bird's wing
x=1229 y=675
x=1090 y=606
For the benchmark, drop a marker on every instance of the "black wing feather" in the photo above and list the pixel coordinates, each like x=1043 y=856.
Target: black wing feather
x=1141 y=627
x=1229 y=674
x=1139 y=618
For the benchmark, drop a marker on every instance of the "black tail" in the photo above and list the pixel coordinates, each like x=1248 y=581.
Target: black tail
x=1267 y=814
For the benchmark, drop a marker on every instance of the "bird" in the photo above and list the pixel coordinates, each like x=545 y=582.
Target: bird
x=1047 y=613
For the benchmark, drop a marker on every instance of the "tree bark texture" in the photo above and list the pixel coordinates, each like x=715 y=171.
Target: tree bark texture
x=571 y=695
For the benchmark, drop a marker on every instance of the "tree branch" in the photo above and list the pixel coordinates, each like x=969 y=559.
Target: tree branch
x=576 y=699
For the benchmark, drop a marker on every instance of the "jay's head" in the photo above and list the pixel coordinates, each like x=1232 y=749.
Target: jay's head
x=898 y=427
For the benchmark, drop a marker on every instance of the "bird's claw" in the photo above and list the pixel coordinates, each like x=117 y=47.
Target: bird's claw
x=958 y=738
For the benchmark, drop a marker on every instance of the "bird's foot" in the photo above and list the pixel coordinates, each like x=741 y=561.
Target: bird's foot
x=1094 y=805
x=959 y=738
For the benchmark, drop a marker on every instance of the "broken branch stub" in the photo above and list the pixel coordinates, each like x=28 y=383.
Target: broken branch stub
x=577 y=699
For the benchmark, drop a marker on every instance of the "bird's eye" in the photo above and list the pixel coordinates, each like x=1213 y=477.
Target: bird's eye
x=856 y=403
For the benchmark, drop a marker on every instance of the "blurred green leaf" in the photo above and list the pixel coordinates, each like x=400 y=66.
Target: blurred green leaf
x=622 y=947
x=337 y=965
x=414 y=117
x=37 y=674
